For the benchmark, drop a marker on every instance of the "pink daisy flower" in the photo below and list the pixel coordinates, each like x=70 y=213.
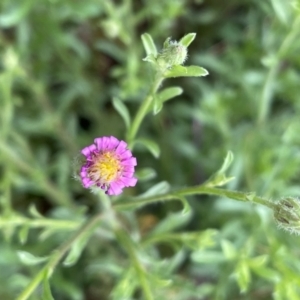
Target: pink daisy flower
x=109 y=165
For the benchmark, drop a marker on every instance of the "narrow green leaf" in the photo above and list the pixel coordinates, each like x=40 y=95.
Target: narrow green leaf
x=174 y=262
x=126 y=286
x=149 y=45
x=150 y=58
x=145 y=174
x=165 y=95
x=29 y=259
x=258 y=261
x=158 y=282
x=16 y=14
x=158 y=189
x=187 y=39
x=227 y=162
x=34 y=212
x=46 y=295
x=228 y=249
x=166 y=43
x=208 y=257
x=157 y=105
x=220 y=178
x=174 y=220
x=282 y=10
x=267 y=273
x=150 y=145
x=45 y=234
x=122 y=110
x=23 y=234
x=190 y=71
x=243 y=275
x=76 y=250
x=169 y=93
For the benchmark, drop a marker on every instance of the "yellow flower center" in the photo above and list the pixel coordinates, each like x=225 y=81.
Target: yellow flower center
x=106 y=167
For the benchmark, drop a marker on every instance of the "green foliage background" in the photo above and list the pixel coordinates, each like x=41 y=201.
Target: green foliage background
x=62 y=63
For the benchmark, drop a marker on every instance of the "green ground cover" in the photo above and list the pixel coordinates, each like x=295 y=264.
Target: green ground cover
x=215 y=213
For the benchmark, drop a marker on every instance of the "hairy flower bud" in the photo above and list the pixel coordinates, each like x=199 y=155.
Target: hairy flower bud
x=287 y=214
x=174 y=53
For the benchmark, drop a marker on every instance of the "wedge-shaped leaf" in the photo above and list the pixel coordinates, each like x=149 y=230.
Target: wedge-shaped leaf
x=187 y=39
x=122 y=110
x=190 y=71
x=29 y=259
x=46 y=295
x=76 y=250
x=149 y=45
x=150 y=145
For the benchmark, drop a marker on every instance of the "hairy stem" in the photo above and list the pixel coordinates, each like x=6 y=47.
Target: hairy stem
x=143 y=109
x=197 y=190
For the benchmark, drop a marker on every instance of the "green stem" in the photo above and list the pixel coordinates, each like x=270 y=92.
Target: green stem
x=37 y=223
x=127 y=242
x=57 y=255
x=141 y=113
x=268 y=88
x=197 y=190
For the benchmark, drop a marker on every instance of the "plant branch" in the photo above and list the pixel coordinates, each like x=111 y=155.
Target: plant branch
x=127 y=242
x=197 y=190
x=143 y=109
x=57 y=255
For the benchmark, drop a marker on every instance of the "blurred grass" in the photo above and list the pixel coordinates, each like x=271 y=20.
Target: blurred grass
x=61 y=64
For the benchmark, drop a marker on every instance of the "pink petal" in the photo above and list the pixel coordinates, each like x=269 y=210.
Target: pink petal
x=87 y=182
x=125 y=155
x=88 y=150
x=129 y=181
x=113 y=143
x=114 y=189
x=98 y=142
x=129 y=162
x=83 y=174
x=105 y=143
x=121 y=147
x=129 y=169
x=127 y=174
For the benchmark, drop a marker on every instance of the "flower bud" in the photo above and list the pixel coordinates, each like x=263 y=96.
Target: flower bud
x=174 y=53
x=287 y=214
